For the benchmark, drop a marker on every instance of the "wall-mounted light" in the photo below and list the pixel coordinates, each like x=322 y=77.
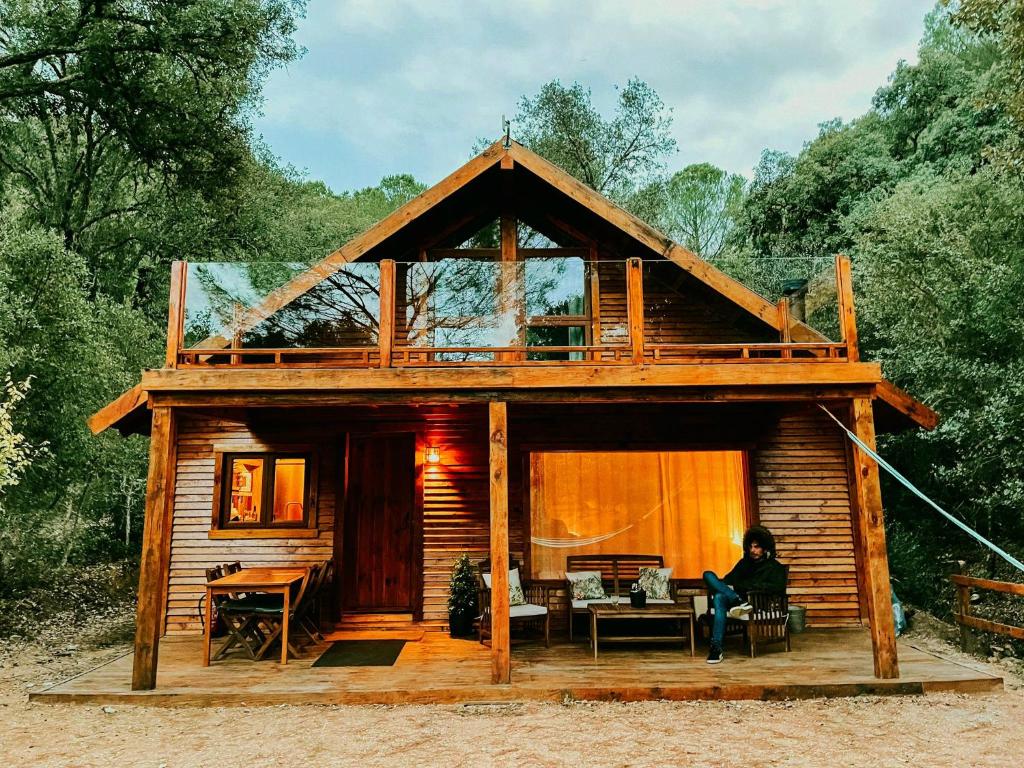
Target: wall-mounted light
x=433 y=454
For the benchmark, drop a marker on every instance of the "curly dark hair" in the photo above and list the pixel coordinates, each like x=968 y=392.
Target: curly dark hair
x=762 y=536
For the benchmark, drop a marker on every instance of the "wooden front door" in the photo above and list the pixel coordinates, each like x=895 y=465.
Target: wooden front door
x=378 y=553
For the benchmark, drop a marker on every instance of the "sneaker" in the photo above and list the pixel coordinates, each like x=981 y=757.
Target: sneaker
x=715 y=655
x=743 y=609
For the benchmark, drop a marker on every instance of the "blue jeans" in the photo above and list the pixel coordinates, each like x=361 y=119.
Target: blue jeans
x=723 y=597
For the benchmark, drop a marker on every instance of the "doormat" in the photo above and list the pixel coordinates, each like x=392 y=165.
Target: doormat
x=361 y=653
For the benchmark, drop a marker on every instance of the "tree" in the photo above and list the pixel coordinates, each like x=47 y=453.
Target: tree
x=110 y=111
x=172 y=80
x=1001 y=23
x=619 y=156
x=701 y=202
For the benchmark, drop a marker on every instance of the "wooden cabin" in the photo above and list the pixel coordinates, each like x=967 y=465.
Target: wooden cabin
x=416 y=395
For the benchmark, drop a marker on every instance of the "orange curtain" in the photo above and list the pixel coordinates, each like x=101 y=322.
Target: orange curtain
x=688 y=506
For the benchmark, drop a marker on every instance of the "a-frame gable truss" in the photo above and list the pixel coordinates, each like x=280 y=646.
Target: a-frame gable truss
x=558 y=180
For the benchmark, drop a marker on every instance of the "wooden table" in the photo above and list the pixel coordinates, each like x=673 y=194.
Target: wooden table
x=275 y=581
x=624 y=611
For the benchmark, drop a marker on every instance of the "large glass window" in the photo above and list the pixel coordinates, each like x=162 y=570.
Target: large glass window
x=265 y=491
x=688 y=506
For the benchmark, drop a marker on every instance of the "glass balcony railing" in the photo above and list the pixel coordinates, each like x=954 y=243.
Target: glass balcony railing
x=558 y=309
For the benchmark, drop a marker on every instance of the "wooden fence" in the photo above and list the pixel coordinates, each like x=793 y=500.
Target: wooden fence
x=963 y=614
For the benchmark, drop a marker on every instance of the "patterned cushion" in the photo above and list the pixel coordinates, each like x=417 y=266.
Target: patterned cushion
x=585 y=585
x=654 y=582
x=515 y=587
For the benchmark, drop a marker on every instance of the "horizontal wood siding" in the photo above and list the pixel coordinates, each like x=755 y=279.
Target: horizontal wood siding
x=455 y=507
x=679 y=309
x=804 y=499
x=192 y=551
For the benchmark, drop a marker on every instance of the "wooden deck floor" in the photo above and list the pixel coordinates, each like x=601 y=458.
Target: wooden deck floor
x=437 y=669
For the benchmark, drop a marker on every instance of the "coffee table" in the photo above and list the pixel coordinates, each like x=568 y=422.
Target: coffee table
x=602 y=611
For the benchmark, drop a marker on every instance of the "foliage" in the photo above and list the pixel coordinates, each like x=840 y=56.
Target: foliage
x=620 y=157
x=173 y=82
x=1001 y=23
x=462 y=588
x=916 y=193
x=77 y=351
x=15 y=452
x=701 y=202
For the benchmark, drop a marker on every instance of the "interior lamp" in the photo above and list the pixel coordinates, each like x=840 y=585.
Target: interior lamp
x=433 y=454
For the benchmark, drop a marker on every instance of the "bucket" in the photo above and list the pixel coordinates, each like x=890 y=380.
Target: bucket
x=797 y=618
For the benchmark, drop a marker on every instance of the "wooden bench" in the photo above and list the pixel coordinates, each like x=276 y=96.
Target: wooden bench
x=618 y=572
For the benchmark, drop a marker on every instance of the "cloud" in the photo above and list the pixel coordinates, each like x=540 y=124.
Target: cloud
x=390 y=87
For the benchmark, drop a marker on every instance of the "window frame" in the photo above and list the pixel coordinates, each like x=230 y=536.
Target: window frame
x=223 y=459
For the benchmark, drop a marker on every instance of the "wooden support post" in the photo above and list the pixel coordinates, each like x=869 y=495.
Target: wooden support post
x=872 y=543
x=785 y=323
x=386 y=326
x=593 y=302
x=635 y=307
x=512 y=296
x=963 y=602
x=847 y=315
x=176 y=312
x=156 y=536
x=501 y=661
x=237 y=313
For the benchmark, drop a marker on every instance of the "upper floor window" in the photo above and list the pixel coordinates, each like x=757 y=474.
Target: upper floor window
x=265 y=490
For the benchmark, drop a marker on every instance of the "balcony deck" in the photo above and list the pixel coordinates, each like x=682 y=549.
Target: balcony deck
x=438 y=669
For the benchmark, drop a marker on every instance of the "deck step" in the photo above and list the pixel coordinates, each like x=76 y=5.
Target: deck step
x=375 y=621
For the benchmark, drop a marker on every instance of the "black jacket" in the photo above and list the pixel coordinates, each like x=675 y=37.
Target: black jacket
x=764 y=575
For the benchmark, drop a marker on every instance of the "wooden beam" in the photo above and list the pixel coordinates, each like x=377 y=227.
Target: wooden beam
x=156 y=536
x=904 y=403
x=785 y=321
x=593 y=298
x=847 y=315
x=175 y=312
x=326 y=399
x=644 y=233
x=635 y=307
x=114 y=411
x=386 y=326
x=501 y=659
x=495 y=254
x=871 y=539
x=513 y=377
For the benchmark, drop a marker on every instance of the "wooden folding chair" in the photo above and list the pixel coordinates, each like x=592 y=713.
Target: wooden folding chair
x=242 y=626
x=272 y=618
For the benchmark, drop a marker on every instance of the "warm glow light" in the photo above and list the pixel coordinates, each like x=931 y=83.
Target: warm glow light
x=433 y=454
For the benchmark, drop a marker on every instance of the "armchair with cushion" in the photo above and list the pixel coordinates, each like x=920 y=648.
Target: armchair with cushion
x=532 y=613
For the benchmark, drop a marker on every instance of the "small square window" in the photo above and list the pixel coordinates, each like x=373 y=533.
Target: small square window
x=265 y=490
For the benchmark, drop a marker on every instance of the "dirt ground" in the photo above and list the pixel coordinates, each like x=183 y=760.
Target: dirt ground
x=939 y=730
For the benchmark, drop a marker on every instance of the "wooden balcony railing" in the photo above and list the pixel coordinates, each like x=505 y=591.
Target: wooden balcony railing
x=391 y=351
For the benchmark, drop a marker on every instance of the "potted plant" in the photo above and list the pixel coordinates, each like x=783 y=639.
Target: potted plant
x=462 y=598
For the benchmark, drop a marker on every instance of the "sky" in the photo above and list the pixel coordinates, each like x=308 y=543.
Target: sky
x=391 y=87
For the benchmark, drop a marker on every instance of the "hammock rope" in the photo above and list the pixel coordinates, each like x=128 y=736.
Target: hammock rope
x=569 y=543
x=920 y=494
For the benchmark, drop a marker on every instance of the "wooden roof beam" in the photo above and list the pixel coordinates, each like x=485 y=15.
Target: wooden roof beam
x=116 y=410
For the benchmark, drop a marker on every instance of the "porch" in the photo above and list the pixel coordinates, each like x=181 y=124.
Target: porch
x=440 y=670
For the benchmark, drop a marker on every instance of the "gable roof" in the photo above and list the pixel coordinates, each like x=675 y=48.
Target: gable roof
x=571 y=191
x=496 y=155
